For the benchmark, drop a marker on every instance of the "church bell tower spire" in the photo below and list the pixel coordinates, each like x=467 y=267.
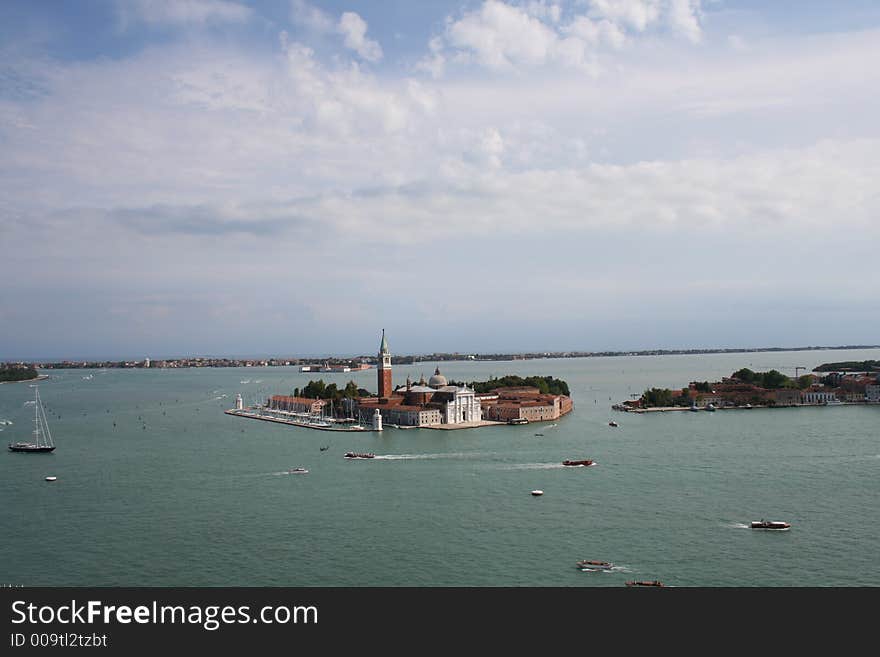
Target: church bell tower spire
x=384 y=368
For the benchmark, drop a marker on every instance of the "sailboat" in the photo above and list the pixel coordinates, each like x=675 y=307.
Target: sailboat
x=42 y=435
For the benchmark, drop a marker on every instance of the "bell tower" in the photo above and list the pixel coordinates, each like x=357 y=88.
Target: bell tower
x=384 y=368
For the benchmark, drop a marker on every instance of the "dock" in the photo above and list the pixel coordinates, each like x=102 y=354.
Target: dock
x=295 y=422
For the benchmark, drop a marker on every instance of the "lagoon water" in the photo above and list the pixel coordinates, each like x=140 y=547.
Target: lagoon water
x=157 y=487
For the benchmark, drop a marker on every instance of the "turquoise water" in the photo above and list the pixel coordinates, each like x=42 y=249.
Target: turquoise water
x=179 y=494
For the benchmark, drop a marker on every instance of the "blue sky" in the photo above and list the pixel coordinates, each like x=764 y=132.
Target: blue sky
x=225 y=177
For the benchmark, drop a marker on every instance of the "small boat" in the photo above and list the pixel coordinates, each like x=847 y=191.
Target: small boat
x=42 y=436
x=770 y=524
x=594 y=565
x=537 y=493
x=355 y=455
x=694 y=408
x=710 y=408
x=539 y=434
x=583 y=462
x=325 y=448
x=51 y=478
x=518 y=420
x=613 y=424
x=645 y=583
x=297 y=471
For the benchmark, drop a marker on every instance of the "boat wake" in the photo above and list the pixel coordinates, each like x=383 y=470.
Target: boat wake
x=539 y=466
x=417 y=457
x=739 y=525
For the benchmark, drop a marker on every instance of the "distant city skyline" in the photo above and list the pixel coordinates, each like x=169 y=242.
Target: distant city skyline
x=483 y=176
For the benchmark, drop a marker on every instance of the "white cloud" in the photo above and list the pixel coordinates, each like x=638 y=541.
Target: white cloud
x=684 y=19
x=350 y=26
x=354 y=30
x=636 y=15
x=309 y=16
x=182 y=12
x=502 y=36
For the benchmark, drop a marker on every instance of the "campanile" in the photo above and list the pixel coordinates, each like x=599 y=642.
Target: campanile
x=384 y=368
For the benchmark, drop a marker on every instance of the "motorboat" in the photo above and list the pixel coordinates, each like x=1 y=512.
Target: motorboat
x=710 y=408
x=613 y=424
x=51 y=478
x=583 y=462
x=356 y=455
x=297 y=471
x=539 y=434
x=594 y=565
x=770 y=524
x=537 y=493
x=518 y=420
x=325 y=448
x=645 y=583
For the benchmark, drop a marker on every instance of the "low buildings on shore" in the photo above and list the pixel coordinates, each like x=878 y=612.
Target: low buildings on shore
x=296 y=404
x=731 y=392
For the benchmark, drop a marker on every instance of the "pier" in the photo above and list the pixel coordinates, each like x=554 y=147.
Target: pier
x=296 y=421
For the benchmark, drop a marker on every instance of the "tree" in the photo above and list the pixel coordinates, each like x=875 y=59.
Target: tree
x=656 y=397
x=745 y=375
x=773 y=379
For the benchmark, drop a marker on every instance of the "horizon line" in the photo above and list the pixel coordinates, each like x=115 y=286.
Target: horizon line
x=566 y=353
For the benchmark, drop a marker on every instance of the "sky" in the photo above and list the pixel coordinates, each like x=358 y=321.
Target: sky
x=222 y=177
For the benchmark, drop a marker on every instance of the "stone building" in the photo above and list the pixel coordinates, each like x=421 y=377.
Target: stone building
x=427 y=403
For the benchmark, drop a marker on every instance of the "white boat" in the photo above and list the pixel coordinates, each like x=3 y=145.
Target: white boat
x=537 y=493
x=297 y=471
x=594 y=565
x=51 y=478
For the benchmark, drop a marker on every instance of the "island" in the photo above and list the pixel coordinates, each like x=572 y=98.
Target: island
x=747 y=389
x=11 y=372
x=433 y=404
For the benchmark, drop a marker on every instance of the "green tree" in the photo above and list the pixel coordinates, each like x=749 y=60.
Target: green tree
x=656 y=397
x=773 y=379
x=804 y=381
x=745 y=375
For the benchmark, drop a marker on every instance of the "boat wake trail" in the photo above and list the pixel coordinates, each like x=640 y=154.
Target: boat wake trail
x=414 y=457
x=538 y=466
x=739 y=525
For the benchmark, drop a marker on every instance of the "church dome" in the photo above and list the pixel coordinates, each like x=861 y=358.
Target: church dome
x=438 y=380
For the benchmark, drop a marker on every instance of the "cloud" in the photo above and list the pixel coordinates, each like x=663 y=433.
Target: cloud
x=501 y=36
x=354 y=31
x=350 y=26
x=182 y=12
x=738 y=171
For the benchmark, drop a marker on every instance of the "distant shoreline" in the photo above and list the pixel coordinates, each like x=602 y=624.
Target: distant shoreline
x=228 y=361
